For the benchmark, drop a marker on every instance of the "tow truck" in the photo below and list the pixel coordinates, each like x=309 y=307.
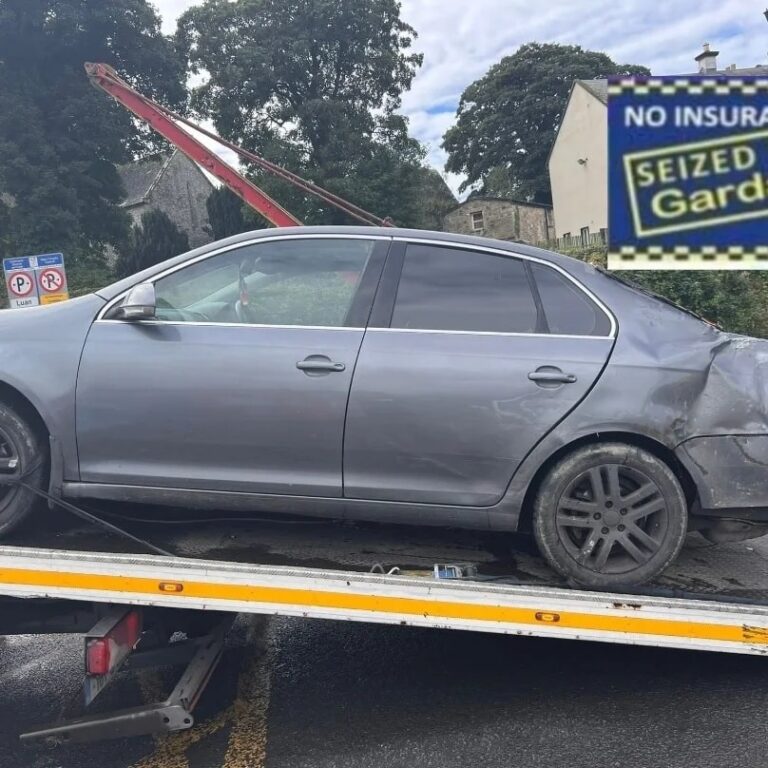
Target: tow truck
x=132 y=608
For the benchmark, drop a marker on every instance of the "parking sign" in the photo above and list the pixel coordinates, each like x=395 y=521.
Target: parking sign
x=51 y=278
x=33 y=280
x=20 y=282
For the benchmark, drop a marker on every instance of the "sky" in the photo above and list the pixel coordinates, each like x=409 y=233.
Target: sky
x=462 y=39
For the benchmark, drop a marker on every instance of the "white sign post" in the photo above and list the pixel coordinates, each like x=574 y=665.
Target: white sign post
x=33 y=280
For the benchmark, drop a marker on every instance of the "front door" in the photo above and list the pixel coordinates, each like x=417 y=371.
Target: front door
x=476 y=356
x=241 y=381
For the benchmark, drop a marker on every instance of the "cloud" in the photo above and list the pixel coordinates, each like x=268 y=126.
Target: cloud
x=461 y=40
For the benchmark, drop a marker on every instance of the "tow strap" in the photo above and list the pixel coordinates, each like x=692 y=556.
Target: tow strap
x=19 y=480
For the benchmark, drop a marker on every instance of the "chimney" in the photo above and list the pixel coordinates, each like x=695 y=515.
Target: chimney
x=707 y=60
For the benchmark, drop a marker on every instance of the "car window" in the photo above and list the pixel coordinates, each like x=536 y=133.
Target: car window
x=454 y=289
x=285 y=282
x=568 y=310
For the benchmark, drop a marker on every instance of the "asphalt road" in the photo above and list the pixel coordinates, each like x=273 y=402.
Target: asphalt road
x=294 y=693
x=326 y=694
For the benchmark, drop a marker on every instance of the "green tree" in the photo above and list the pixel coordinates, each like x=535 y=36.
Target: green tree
x=225 y=214
x=154 y=240
x=60 y=139
x=736 y=301
x=507 y=120
x=313 y=85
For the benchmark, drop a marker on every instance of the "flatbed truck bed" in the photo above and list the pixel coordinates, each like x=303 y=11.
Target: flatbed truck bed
x=420 y=600
x=715 y=598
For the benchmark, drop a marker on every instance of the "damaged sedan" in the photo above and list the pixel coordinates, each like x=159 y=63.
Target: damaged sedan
x=398 y=376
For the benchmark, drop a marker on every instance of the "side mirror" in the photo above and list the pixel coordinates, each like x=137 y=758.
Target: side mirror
x=139 y=304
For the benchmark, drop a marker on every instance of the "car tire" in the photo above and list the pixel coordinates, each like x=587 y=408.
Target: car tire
x=610 y=516
x=18 y=440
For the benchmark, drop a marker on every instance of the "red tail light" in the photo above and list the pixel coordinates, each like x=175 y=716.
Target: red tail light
x=104 y=653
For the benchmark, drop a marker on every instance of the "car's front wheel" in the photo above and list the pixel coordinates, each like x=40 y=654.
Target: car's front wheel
x=610 y=516
x=22 y=451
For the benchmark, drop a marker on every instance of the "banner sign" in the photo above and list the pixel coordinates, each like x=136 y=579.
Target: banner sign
x=688 y=173
x=34 y=280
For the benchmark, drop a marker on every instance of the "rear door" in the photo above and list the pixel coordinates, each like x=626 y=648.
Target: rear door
x=470 y=359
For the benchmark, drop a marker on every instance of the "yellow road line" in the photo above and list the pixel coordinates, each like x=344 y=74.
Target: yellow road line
x=171 y=748
x=438 y=609
x=247 y=745
x=246 y=717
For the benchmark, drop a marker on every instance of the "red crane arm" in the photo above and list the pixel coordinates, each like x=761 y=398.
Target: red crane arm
x=164 y=121
x=105 y=78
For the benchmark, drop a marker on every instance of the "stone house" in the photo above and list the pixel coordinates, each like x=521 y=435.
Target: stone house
x=172 y=184
x=501 y=218
x=578 y=160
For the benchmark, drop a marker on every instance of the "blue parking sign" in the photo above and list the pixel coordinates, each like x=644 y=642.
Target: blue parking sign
x=34 y=280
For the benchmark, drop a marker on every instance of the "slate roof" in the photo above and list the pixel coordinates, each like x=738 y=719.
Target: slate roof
x=138 y=178
x=598 y=88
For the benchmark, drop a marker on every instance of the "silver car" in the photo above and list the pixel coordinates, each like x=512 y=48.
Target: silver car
x=400 y=376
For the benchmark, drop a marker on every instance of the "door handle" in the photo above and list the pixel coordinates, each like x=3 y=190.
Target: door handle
x=552 y=376
x=320 y=365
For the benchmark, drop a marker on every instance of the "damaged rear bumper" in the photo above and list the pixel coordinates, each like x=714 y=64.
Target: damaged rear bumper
x=730 y=473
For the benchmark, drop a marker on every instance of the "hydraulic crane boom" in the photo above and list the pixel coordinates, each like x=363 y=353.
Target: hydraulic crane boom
x=165 y=122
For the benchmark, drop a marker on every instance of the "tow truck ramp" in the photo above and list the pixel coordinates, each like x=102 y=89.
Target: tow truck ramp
x=116 y=601
x=418 y=600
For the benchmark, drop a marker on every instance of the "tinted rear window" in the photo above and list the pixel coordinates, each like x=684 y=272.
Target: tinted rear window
x=451 y=289
x=567 y=308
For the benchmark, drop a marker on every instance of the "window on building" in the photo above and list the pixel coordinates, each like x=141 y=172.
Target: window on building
x=568 y=310
x=603 y=235
x=477 y=220
x=566 y=238
x=585 y=235
x=449 y=289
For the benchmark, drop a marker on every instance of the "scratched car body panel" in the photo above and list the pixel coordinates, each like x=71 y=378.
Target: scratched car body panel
x=223 y=400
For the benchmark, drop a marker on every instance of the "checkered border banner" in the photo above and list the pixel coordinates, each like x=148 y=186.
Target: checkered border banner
x=694 y=85
x=698 y=257
x=683 y=257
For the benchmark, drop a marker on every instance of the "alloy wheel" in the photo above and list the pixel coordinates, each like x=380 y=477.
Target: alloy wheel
x=612 y=518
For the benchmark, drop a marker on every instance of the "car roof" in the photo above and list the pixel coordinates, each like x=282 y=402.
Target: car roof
x=574 y=266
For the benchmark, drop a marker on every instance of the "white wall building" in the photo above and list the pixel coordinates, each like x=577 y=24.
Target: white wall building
x=578 y=161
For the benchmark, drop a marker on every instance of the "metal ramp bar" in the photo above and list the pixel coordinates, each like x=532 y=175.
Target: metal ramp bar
x=173 y=714
x=388 y=599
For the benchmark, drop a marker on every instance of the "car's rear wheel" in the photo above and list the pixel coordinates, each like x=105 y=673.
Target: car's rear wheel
x=22 y=451
x=610 y=515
